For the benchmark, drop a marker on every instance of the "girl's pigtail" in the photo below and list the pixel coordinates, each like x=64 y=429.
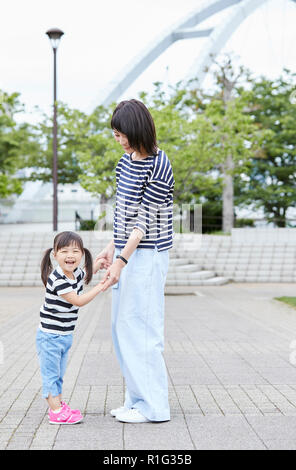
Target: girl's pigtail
x=88 y=266
x=46 y=266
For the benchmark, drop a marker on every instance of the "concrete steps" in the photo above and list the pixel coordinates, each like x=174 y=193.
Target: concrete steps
x=178 y=275
x=21 y=253
x=210 y=260
x=211 y=281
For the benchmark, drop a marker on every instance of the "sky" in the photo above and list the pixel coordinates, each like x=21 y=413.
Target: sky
x=102 y=37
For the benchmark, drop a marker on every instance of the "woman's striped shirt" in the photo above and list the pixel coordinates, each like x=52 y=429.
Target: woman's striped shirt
x=144 y=200
x=56 y=314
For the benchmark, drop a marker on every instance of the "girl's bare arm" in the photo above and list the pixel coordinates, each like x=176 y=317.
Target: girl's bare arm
x=83 y=299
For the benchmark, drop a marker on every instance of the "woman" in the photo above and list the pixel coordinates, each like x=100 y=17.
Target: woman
x=139 y=250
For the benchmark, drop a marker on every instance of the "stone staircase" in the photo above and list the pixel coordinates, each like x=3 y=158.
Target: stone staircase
x=194 y=260
x=248 y=255
x=187 y=265
x=21 y=253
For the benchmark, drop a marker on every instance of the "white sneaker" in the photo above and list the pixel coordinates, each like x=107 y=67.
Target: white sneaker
x=132 y=416
x=119 y=410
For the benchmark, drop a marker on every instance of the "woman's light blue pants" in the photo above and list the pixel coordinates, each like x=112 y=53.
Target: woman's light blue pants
x=138 y=331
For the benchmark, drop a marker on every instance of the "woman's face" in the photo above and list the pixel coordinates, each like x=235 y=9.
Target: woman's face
x=123 y=141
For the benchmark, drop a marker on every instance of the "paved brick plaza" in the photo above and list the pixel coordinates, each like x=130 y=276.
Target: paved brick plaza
x=232 y=385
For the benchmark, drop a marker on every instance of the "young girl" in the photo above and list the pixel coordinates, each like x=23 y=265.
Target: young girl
x=58 y=317
x=143 y=235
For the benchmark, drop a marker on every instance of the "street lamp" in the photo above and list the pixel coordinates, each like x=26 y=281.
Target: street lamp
x=55 y=35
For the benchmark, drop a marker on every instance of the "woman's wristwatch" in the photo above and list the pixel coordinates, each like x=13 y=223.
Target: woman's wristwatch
x=122 y=258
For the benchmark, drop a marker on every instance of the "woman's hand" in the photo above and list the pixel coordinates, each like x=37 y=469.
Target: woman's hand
x=98 y=264
x=112 y=274
x=104 y=258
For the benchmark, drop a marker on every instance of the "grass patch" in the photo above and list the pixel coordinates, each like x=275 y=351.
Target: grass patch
x=219 y=232
x=288 y=300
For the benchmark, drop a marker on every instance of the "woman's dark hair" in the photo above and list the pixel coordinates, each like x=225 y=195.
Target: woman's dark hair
x=62 y=240
x=133 y=119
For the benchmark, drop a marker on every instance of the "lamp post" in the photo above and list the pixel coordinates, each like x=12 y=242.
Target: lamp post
x=55 y=35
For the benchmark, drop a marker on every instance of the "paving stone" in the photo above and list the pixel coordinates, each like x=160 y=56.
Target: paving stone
x=171 y=435
x=223 y=433
x=95 y=432
x=279 y=444
x=227 y=349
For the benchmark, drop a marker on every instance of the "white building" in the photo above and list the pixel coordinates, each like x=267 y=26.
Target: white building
x=35 y=204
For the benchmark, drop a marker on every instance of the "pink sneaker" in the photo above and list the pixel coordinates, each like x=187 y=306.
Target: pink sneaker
x=65 y=416
x=73 y=411
x=67 y=406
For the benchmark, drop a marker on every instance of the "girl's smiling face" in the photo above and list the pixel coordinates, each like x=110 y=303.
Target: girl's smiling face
x=123 y=141
x=69 y=258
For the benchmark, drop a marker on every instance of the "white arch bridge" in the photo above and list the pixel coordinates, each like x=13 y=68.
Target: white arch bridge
x=187 y=28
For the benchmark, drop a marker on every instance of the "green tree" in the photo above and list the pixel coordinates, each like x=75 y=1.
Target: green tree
x=271 y=181
x=234 y=138
x=99 y=155
x=209 y=138
x=87 y=151
x=72 y=132
x=15 y=142
x=184 y=136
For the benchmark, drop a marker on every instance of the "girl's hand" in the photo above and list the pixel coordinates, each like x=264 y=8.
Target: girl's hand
x=112 y=275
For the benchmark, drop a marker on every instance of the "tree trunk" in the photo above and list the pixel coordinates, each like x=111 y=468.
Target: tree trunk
x=102 y=224
x=228 y=195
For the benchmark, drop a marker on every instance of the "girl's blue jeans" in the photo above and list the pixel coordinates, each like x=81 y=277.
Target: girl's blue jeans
x=138 y=331
x=53 y=353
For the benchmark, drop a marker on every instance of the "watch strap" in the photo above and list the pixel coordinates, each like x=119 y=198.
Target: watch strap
x=122 y=258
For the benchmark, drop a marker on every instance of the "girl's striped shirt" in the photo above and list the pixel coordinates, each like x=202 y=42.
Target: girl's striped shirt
x=144 y=200
x=57 y=316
